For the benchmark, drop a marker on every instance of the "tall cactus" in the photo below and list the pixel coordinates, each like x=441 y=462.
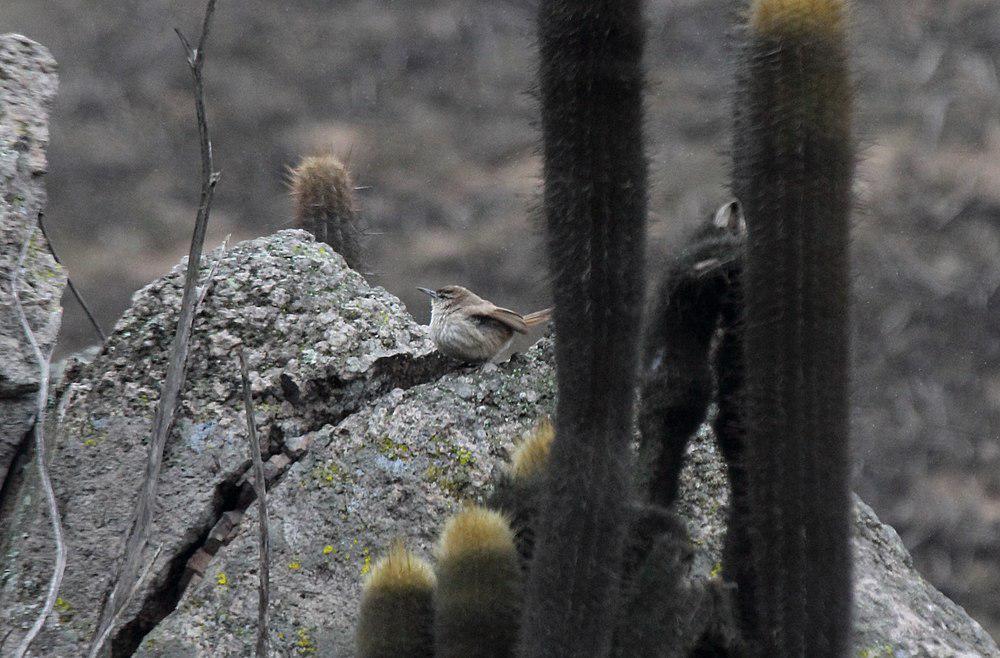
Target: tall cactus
x=591 y=83
x=793 y=165
x=676 y=376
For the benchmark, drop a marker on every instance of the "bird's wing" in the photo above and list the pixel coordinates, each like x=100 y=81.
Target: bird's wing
x=538 y=317
x=502 y=315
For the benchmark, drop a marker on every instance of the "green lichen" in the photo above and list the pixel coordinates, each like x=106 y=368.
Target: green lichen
x=329 y=473
x=64 y=609
x=464 y=456
x=451 y=485
x=393 y=449
x=366 y=561
x=304 y=644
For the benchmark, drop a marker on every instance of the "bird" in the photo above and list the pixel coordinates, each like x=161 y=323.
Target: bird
x=466 y=327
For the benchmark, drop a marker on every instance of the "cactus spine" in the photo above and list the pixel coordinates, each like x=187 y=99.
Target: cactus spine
x=594 y=203
x=323 y=194
x=478 y=599
x=793 y=165
x=396 y=617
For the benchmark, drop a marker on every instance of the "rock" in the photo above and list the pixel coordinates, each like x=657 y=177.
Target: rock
x=27 y=87
x=395 y=469
x=330 y=345
x=400 y=466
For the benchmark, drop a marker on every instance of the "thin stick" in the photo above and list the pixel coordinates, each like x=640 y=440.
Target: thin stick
x=260 y=489
x=43 y=473
x=117 y=617
x=211 y=276
x=163 y=419
x=69 y=282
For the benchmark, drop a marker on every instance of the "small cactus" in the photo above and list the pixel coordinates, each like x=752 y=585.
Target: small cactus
x=323 y=194
x=397 y=613
x=519 y=486
x=478 y=599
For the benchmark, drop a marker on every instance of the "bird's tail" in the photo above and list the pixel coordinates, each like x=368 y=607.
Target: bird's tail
x=538 y=317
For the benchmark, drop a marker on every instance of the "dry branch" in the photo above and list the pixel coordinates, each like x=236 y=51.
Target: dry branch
x=69 y=282
x=139 y=533
x=39 y=432
x=260 y=489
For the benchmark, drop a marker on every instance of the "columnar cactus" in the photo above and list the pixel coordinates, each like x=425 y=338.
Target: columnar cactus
x=793 y=165
x=591 y=83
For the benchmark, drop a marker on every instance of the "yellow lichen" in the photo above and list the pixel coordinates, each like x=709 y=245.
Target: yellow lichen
x=221 y=579
x=393 y=449
x=716 y=570
x=304 y=644
x=330 y=472
x=294 y=566
x=327 y=549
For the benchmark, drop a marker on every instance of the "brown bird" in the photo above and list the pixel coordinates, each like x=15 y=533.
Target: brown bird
x=466 y=327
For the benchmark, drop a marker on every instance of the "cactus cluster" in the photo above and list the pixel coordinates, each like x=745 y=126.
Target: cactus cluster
x=469 y=604
x=583 y=558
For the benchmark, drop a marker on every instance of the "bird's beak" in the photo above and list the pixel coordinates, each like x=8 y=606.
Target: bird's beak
x=428 y=291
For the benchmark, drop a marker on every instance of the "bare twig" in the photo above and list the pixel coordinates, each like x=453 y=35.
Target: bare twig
x=69 y=281
x=211 y=276
x=139 y=532
x=39 y=432
x=260 y=489
x=96 y=648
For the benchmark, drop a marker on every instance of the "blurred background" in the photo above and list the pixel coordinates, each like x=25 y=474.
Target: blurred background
x=430 y=103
